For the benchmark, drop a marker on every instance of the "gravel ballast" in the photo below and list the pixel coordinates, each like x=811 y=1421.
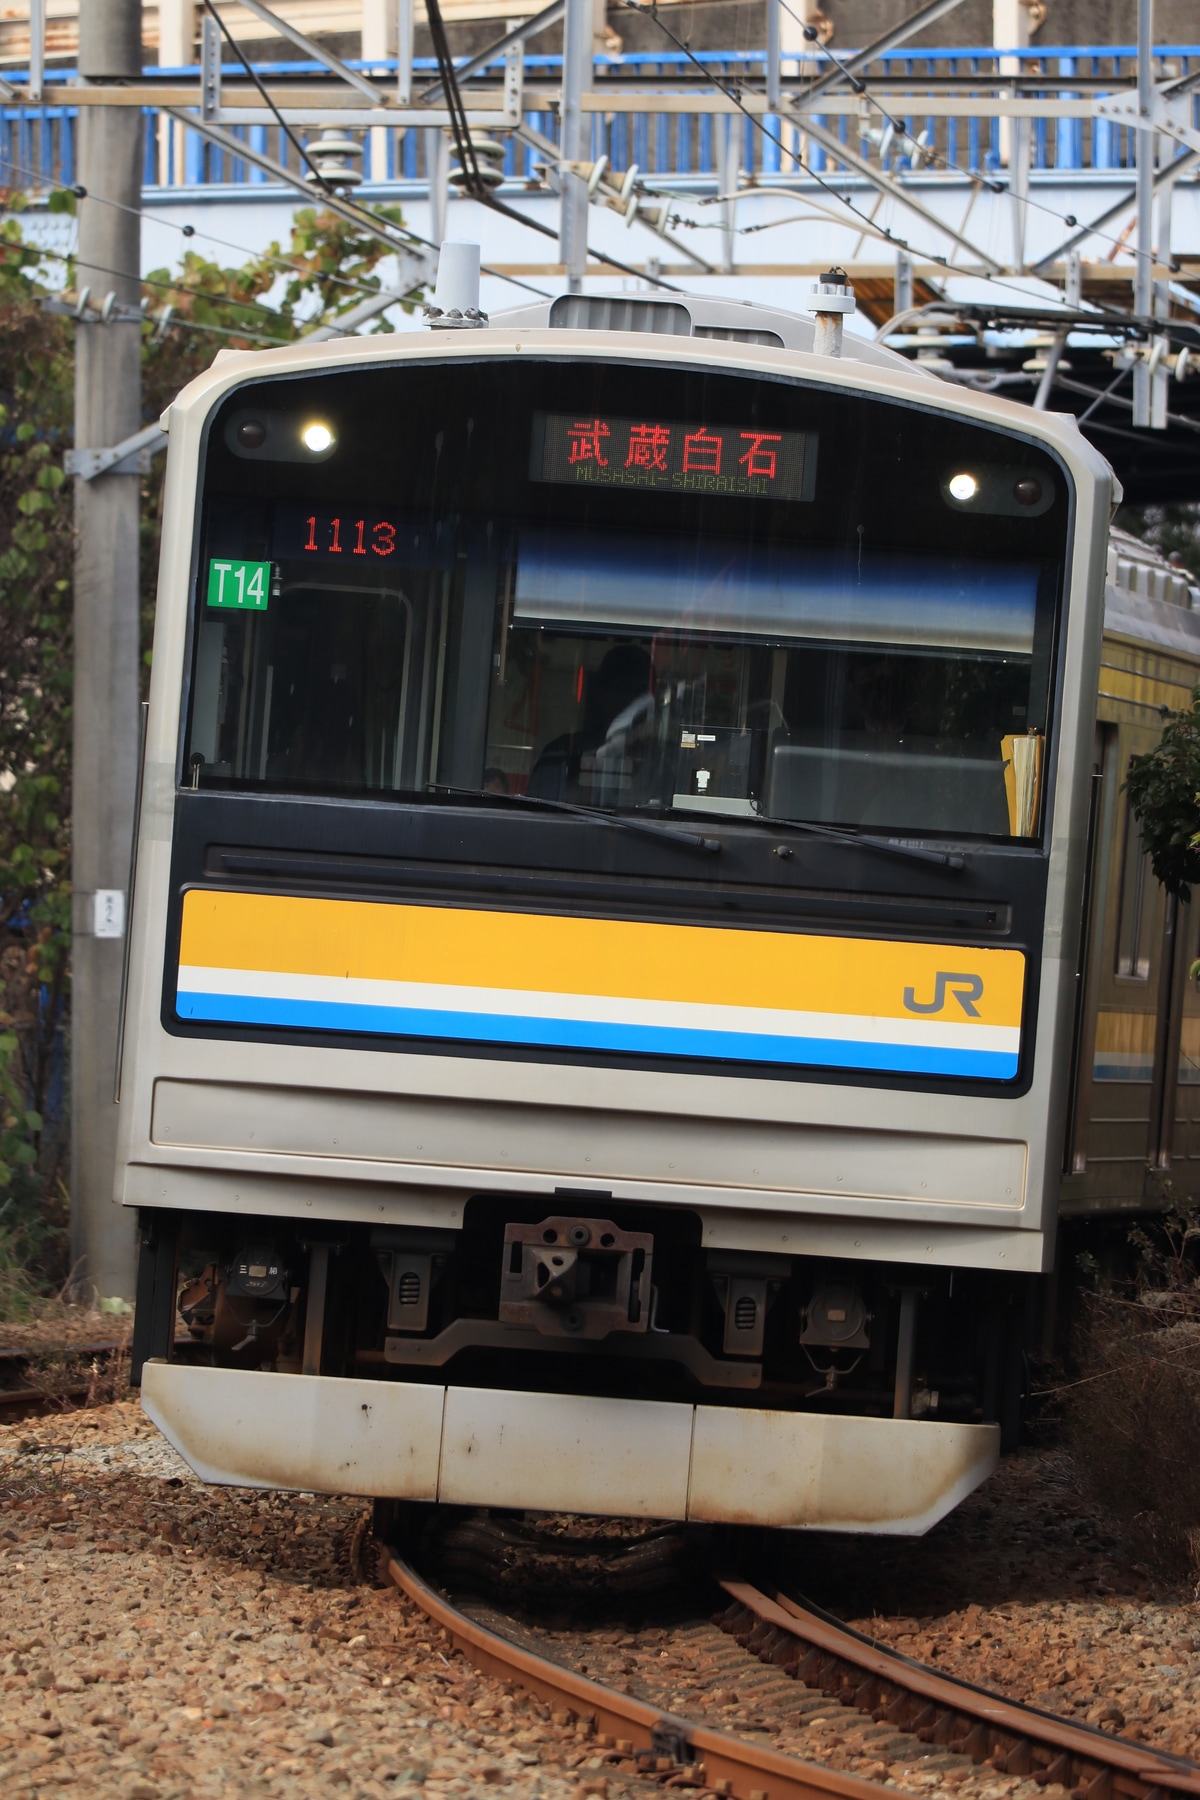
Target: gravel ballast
x=159 y=1638
x=162 y=1639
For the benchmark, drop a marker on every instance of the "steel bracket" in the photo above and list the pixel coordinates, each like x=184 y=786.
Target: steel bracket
x=131 y=457
x=108 y=312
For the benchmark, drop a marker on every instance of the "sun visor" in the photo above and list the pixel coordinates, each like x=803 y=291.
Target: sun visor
x=640 y=585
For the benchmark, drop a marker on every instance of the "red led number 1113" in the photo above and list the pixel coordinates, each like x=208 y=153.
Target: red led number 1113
x=364 y=537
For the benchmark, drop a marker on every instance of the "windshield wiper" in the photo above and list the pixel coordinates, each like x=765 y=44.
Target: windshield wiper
x=691 y=840
x=894 y=846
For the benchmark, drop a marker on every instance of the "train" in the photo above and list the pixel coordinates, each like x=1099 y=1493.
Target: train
x=1132 y=1137
x=635 y=934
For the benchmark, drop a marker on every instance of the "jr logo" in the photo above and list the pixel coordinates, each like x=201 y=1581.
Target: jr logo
x=967 y=989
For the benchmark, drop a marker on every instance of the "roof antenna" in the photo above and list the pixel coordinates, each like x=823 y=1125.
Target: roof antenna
x=456 y=297
x=832 y=300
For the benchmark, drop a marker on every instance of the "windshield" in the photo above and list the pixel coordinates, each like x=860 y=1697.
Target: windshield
x=741 y=597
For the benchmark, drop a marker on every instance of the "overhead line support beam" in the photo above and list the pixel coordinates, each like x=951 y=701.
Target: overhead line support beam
x=354 y=215
x=309 y=47
x=844 y=68
x=496 y=52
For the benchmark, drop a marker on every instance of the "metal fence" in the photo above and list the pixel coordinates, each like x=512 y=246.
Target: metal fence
x=37 y=143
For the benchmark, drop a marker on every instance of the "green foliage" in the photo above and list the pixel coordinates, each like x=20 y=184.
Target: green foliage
x=35 y=733
x=326 y=254
x=1164 y=791
x=273 y=298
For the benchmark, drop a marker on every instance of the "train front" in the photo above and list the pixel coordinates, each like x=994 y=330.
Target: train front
x=603 y=958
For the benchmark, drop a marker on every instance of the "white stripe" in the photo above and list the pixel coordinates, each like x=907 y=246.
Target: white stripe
x=526 y=1003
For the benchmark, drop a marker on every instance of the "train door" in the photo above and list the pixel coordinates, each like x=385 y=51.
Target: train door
x=1121 y=1085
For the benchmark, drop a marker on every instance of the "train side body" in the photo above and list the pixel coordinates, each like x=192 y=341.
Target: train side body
x=1133 y=1132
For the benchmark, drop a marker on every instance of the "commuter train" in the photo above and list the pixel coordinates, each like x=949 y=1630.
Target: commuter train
x=1134 y=1113
x=606 y=1019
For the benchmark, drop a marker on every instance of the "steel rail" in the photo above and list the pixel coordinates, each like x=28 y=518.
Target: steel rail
x=1016 y=1738
x=661 y=1743
x=30 y=1401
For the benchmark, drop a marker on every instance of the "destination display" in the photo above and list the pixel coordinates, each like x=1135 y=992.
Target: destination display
x=665 y=456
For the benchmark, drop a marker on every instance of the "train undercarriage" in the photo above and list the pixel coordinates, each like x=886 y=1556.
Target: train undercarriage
x=604 y=1335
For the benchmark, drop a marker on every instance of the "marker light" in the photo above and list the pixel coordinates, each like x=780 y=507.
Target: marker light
x=318 y=437
x=963 y=487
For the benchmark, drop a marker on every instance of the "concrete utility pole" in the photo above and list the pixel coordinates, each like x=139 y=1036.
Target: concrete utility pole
x=104 y=754
x=1143 y=280
x=575 y=141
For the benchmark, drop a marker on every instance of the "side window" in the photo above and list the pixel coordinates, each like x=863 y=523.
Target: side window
x=1136 y=909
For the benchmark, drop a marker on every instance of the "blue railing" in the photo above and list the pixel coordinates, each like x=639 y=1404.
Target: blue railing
x=37 y=143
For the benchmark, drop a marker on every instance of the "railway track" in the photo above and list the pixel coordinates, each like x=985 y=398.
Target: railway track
x=894 y=1697
x=1016 y=1739
x=21 y=1395
x=628 y=1734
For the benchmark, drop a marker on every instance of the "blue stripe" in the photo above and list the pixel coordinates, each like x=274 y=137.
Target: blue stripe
x=591 y=1034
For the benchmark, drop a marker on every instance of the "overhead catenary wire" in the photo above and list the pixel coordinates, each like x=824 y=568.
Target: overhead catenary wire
x=176 y=323
x=286 y=129
x=865 y=222
x=841 y=199
x=370 y=218
x=1125 y=321
x=180 y=287
x=1028 y=200
x=860 y=86
x=283 y=263
x=856 y=82
x=477 y=189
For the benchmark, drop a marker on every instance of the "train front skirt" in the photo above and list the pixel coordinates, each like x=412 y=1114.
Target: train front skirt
x=565 y=1452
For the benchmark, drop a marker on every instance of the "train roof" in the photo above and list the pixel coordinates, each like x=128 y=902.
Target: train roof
x=1150 y=599
x=691 y=315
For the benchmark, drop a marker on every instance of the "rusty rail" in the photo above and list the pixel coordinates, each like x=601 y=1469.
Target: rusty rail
x=1017 y=1739
x=661 y=1744
x=22 y=1398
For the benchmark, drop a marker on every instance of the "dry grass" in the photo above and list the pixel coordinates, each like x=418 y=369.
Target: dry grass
x=1132 y=1415
x=57 y=1324
x=69 y=1380
x=55 y=1337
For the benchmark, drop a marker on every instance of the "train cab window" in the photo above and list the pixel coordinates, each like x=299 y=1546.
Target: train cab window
x=635 y=588
x=642 y=672
x=309 y=692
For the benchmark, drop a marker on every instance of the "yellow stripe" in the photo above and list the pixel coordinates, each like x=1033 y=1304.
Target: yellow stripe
x=1130 y=1033
x=548 y=953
